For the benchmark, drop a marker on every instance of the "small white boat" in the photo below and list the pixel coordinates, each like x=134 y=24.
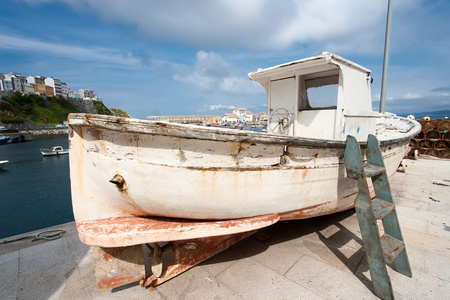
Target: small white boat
x=126 y=171
x=2 y=162
x=57 y=150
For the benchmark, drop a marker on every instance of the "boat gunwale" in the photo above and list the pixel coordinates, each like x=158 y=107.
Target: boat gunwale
x=223 y=134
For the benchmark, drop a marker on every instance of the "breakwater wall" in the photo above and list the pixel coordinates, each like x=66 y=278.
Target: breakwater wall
x=28 y=134
x=433 y=140
x=45 y=131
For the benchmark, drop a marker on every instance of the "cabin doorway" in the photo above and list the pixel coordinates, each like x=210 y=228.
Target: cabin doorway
x=282 y=109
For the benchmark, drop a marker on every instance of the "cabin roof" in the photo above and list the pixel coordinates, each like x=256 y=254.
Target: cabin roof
x=324 y=58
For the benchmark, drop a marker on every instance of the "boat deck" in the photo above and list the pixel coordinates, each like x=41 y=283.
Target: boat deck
x=319 y=258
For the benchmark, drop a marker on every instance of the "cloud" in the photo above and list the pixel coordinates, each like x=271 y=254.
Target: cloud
x=411 y=96
x=212 y=73
x=443 y=91
x=255 y=24
x=69 y=51
x=219 y=106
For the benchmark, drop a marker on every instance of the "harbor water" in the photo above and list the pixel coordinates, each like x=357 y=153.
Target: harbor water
x=34 y=190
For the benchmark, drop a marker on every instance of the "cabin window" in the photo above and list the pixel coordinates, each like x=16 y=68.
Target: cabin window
x=320 y=93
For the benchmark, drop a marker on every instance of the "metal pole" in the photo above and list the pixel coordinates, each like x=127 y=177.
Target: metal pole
x=387 y=43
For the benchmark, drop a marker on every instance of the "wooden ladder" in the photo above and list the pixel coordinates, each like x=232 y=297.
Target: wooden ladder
x=381 y=249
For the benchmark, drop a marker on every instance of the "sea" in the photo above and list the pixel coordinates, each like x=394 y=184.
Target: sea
x=34 y=190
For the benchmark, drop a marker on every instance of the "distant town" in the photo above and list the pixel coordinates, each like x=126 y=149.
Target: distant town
x=238 y=116
x=43 y=86
x=52 y=87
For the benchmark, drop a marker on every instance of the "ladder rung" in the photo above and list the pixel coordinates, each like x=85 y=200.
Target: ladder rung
x=371 y=170
x=381 y=208
x=391 y=247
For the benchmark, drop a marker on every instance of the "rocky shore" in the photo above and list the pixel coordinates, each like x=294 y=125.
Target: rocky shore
x=29 y=134
x=44 y=131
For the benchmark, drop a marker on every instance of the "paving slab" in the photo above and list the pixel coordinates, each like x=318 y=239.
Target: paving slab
x=318 y=258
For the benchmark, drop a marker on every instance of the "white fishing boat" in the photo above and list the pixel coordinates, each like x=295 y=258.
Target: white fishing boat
x=56 y=150
x=141 y=181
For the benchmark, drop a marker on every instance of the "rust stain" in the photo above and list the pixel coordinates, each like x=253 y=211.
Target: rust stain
x=119 y=182
x=114 y=228
x=303 y=213
x=107 y=256
x=304 y=171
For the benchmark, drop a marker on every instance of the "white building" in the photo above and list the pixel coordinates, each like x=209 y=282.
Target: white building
x=6 y=85
x=243 y=114
x=65 y=90
x=230 y=118
x=35 y=79
x=86 y=94
x=55 y=84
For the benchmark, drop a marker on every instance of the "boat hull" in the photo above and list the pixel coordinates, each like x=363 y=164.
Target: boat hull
x=9 y=140
x=51 y=152
x=120 y=168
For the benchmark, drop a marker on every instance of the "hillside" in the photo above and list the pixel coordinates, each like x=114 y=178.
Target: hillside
x=119 y=112
x=18 y=108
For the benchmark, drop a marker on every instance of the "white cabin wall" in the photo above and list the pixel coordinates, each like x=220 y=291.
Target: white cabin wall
x=316 y=124
x=339 y=117
x=355 y=115
x=357 y=89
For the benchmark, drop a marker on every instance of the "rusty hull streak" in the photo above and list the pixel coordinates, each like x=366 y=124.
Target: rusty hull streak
x=301 y=213
x=307 y=212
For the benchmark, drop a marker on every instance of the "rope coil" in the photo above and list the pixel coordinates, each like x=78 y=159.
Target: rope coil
x=48 y=235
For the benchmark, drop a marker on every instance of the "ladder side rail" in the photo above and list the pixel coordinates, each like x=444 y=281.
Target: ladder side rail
x=383 y=191
x=380 y=181
x=371 y=239
x=391 y=227
x=367 y=221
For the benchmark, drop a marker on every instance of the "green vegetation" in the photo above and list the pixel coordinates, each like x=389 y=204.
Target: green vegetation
x=119 y=112
x=101 y=108
x=18 y=108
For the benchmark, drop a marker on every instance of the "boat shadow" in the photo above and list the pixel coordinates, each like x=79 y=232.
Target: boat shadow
x=333 y=239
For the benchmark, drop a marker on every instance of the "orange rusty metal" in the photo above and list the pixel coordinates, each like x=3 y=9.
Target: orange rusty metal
x=188 y=253
x=128 y=231
x=118 y=266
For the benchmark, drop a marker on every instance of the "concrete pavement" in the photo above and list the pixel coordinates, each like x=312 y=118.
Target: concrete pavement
x=318 y=258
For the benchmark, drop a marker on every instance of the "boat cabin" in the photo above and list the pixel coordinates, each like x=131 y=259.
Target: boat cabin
x=321 y=97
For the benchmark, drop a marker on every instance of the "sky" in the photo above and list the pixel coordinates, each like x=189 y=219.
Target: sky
x=180 y=57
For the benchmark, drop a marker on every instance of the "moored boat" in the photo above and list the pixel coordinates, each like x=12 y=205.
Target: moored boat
x=124 y=168
x=8 y=139
x=56 y=150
